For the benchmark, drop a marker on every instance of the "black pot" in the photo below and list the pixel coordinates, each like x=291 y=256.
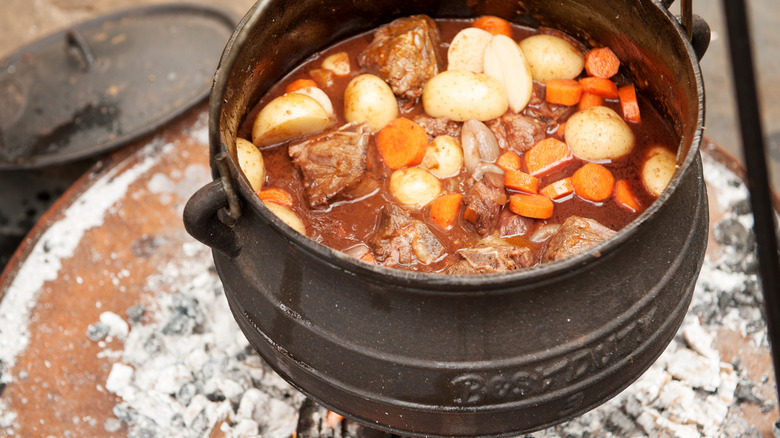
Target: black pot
x=426 y=354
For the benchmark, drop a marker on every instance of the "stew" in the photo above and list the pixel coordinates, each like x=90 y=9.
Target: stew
x=457 y=146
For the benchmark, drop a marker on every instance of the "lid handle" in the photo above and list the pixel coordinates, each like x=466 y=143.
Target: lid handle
x=78 y=44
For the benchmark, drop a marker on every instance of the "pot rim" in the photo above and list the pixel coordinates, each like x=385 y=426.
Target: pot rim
x=439 y=282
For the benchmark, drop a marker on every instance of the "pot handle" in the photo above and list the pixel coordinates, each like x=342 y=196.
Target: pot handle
x=210 y=214
x=700 y=36
x=696 y=27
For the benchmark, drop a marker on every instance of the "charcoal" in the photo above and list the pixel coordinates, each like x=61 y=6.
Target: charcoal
x=125 y=413
x=731 y=232
x=186 y=392
x=97 y=331
x=135 y=313
x=186 y=316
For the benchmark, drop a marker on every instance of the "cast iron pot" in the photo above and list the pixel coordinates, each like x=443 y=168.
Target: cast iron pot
x=434 y=355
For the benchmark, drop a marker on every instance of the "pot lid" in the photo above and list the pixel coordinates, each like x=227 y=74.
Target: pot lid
x=105 y=82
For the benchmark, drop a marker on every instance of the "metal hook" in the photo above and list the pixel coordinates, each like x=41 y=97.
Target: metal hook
x=686 y=9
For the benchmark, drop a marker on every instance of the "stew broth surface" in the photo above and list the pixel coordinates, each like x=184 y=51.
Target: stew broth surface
x=347 y=224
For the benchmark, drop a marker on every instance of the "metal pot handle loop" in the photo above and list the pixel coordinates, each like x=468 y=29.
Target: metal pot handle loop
x=695 y=27
x=209 y=217
x=700 y=36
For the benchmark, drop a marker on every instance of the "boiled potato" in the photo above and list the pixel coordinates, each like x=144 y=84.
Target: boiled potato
x=317 y=94
x=287 y=216
x=658 y=169
x=368 y=98
x=598 y=134
x=467 y=50
x=461 y=95
x=288 y=116
x=413 y=186
x=504 y=61
x=551 y=57
x=250 y=160
x=443 y=157
x=338 y=63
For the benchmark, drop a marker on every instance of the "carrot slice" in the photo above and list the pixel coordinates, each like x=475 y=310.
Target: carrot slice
x=624 y=196
x=602 y=63
x=299 y=84
x=563 y=92
x=444 y=209
x=402 y=143
x=509 y=161
x=593 y=182
x=629 y=103
x=367 y=257
x=517 y=180
x=277 y=196
x=533 y=206
x=494 y=25
x=546 y=155
x=589 y=100
x=600 y=87
x=560 y=133
x=558 y=189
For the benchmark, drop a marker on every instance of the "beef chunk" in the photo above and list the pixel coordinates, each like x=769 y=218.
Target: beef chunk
x=483 y=202
x=491 y=256
x=331 y=162
x=401 y=239
x=436 y=126
x=518 y=131
x=538 y=107
x=511 y=224
x=576 y=234
x=404 y=53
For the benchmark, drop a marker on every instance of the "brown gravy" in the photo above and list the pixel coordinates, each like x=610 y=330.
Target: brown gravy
x=345 y=225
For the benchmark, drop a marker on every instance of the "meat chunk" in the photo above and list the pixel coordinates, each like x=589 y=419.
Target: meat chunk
x=436 y=126
x=483 y=202
x=490 y=257
x=404 y=53
x=511 y=224
x=538 y=107
x=331 y=162
x=575 y=235
x=518 y=131
x=401 y=239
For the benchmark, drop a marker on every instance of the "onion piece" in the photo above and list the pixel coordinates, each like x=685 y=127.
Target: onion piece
x=478 y=143
x=483 y=168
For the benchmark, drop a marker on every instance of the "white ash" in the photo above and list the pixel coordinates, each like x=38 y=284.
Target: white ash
x=690 y=391
x=189 y=371
x=57 y=243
